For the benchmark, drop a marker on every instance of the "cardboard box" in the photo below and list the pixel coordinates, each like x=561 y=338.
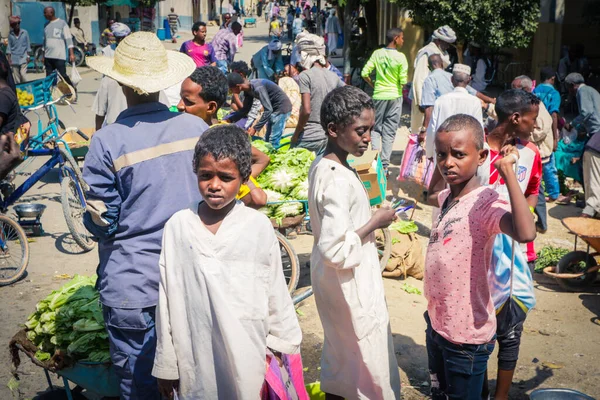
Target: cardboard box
x=369 y=168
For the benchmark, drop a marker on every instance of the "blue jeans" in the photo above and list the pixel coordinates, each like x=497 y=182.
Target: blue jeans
x=457 y=370
x=275 y=128
x=223 y=65
x=132 y=341
x=550 y=175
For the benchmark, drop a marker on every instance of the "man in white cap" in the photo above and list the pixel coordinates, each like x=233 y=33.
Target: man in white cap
x=459 y=101
x=139 y=174
x=441 y=40
x=268 y=61
x=315 y=82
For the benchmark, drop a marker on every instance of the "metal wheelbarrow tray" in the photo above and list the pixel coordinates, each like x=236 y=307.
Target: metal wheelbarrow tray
x=98 y=378
x=578 y=269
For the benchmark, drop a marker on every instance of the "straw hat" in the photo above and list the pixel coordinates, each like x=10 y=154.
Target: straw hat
x=142 y=63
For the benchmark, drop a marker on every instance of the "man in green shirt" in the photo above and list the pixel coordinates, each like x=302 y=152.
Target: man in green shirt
x=391 y=69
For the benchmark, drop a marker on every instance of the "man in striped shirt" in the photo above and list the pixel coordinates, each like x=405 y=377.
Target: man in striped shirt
x=174 y=23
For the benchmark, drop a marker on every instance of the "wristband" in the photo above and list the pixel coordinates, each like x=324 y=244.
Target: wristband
x=532 y=209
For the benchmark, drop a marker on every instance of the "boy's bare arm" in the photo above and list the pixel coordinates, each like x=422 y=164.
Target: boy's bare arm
x=519 y=223
x=436 y=185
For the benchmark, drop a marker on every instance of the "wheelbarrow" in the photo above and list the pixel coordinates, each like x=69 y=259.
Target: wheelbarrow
x=578 y=269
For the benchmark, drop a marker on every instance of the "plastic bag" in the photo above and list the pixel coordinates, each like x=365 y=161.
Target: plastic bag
x=415 y=165
x=75 y=77
x=567 y=136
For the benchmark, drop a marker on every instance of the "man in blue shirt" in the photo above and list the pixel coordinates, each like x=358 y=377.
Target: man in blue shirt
x=588 y=103
x=139 y=172
x=18 y=49
x=551 y=99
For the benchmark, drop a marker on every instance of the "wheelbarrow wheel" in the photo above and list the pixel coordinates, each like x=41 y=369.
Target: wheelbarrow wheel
x=573 y=263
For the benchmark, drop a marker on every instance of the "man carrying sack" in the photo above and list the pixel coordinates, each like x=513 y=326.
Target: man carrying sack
x=128 y=214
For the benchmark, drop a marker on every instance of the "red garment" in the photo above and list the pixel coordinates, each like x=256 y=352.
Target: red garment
x=529 y=176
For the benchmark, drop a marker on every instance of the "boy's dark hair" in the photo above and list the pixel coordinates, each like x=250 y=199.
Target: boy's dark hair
x=240 y=67
x=234 y=79
x=391 y=34
x=547 y=73
x=197 y=25
x=225 y=141
x=343 y=104
x=514 y=101
x=463 y=122
x=236 y=26
x=213 y=82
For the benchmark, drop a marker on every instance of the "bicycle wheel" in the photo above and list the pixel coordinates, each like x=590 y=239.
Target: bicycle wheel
x=289 y=260
x=384 y=246
x=73 y=209
x=14 y=251
x=70 y=161
x=79 y=56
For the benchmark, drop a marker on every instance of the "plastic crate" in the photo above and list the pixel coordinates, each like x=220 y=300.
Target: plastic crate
x=40 y=88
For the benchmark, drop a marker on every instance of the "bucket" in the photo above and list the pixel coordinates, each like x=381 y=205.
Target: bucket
x=160 y=33
x=558 y=394
x=167 y=29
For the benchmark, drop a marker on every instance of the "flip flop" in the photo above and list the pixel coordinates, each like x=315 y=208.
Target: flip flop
x=563 y=200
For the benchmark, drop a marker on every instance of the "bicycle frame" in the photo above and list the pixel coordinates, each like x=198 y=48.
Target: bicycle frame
x=56 y=158
x=37 y=142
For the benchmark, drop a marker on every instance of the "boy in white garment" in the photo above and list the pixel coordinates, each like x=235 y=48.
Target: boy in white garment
x=358 y=359
x=223 y=300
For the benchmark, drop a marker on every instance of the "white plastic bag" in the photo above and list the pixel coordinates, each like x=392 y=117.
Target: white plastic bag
x=567 y=137
x=75 y=77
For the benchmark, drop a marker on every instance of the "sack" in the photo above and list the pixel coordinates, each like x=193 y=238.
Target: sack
x=415 y=165
x=75 y=77
x=63 y=88
x=406 y=258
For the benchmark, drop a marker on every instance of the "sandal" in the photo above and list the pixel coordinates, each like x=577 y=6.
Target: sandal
x=563 y=200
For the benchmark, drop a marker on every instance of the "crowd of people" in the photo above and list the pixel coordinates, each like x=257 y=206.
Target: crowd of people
x=190 y=275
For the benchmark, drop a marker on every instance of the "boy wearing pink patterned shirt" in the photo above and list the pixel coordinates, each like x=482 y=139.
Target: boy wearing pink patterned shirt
x=461 y=320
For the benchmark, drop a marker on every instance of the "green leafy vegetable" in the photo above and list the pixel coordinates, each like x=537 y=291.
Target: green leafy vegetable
x=549 y=256
x=404 y=227
x=70 y=319
x=410 y=289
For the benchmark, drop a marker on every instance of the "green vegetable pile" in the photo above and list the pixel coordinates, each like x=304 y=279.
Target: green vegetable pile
x=286 y=178
x=549 y=256
x=70 y=319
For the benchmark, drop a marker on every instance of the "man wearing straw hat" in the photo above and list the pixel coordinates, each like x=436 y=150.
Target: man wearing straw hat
x=139 y=174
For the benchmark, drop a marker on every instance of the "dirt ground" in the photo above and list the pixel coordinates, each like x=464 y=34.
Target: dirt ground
x=559 y=345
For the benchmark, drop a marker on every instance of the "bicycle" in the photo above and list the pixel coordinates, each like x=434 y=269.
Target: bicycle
x=71 y=181
x=14 y=251
x=52 y=128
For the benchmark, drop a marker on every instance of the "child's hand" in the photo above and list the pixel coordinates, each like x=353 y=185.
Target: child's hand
x=510 y=156
x=166 y=387
x=384 y=217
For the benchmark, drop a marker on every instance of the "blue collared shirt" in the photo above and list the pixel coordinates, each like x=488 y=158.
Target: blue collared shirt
x=437 y=84
x=18 y=47
x=139 y=172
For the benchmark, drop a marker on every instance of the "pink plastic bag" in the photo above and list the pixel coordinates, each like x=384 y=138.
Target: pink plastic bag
x=285 y=382
x=415 y=165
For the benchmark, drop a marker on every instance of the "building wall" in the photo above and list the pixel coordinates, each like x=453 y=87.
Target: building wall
x=5 y=12
x=183 y=8
x=89 y=21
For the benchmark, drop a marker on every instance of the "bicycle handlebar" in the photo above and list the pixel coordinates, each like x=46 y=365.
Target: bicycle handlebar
x=83 y=135
x=61 y=98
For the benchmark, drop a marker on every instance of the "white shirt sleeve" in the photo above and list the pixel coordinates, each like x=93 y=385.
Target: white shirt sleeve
x=165 y=360
x=100 y=105
x=431 y=129
x=284 y=334
x=339 y=245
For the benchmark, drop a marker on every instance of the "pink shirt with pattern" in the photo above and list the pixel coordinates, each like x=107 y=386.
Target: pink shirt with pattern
x=460 y=305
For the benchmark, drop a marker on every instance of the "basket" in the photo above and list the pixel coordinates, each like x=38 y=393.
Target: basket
x=288 y=222
x=40 y=88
